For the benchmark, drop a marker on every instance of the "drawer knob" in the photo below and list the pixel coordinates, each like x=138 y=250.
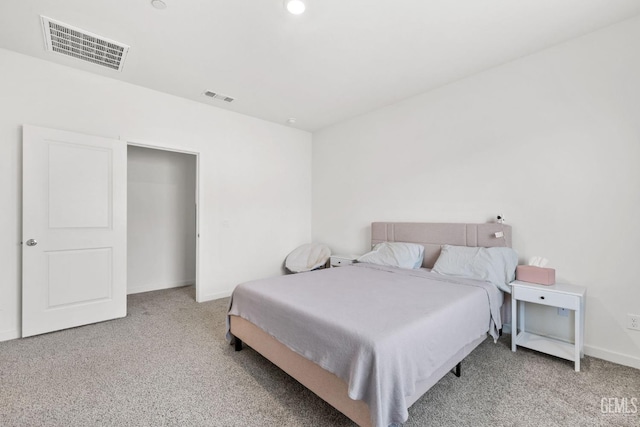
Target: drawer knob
x=542 y=297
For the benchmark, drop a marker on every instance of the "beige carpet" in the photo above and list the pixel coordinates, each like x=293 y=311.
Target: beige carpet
x=167 y=364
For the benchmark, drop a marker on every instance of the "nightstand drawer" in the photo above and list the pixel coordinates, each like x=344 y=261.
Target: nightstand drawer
x=337 y=261
x=541 y=296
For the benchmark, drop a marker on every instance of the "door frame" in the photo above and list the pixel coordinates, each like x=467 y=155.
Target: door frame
x=177 y=149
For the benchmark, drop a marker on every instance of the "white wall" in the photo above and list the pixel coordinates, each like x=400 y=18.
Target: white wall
x=552 y=141
x=161 y=219
x=255 y=177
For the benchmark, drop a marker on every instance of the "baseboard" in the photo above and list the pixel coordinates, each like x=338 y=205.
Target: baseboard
x=612 y=356
x=506 y=328
x=9 y=334
x=219 y=295
x=156 y=287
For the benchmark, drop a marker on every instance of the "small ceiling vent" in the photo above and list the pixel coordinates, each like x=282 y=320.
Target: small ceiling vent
x=218 y=96
x=71 y=41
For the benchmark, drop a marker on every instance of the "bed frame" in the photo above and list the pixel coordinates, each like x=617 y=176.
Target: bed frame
x=327 y=385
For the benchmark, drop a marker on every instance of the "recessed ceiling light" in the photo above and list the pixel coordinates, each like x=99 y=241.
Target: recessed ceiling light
x=295 y=6
x=291 y=120
x=158 y=4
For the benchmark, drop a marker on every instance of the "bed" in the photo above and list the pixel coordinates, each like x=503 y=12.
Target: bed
x=368 y=339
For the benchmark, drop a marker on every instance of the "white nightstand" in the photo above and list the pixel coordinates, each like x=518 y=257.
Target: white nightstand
x=560 y=295
x=339 y=260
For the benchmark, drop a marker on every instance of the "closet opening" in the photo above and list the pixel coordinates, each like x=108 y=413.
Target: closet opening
x=162 y=219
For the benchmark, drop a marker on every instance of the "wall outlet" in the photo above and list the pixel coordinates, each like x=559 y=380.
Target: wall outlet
x=564 y=312
x=634 y=322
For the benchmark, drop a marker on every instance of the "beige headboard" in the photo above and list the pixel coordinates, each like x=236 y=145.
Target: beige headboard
x=433 y=235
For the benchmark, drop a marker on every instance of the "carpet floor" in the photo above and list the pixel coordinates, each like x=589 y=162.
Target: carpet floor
x=167 y=364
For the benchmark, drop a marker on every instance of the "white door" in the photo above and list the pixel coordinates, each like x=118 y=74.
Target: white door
x=74 y=220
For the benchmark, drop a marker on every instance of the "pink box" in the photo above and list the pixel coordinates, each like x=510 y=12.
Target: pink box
x=539 y=275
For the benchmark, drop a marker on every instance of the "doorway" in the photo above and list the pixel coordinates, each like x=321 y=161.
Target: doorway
x=162 y=216
x=75 y=226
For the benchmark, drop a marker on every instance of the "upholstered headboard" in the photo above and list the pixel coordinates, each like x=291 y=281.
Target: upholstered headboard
x=433 y=235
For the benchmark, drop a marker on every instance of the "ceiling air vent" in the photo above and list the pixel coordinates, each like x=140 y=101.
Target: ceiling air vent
x=71 y=41
x=218 y=96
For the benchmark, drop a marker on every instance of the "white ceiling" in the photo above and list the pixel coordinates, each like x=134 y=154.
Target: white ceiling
x=340 y=59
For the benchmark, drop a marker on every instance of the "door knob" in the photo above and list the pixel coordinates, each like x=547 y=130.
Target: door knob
x=32 y=242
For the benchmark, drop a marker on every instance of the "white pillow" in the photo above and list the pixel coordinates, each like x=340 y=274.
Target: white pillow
x=307 y=257
x=395 y=254
x=494 y=265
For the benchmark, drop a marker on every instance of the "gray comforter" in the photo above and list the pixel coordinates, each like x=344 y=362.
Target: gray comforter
x=381 y=329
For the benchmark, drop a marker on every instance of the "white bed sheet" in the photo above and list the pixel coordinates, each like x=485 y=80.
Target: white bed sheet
x=381 y=329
